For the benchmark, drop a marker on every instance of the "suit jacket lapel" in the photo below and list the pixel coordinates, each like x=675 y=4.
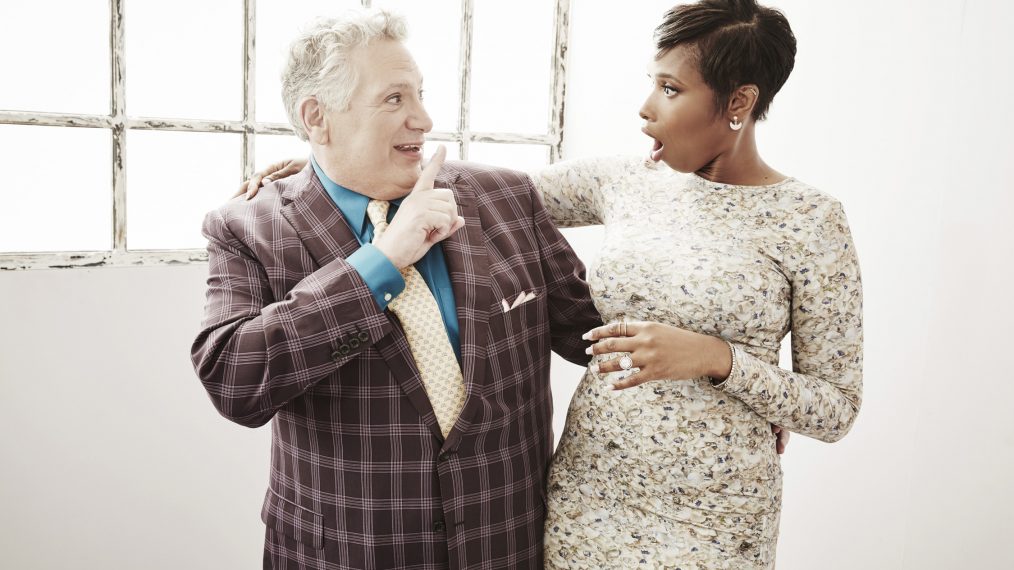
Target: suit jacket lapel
x=468 y=265
x=327 y=236
x=320 y=224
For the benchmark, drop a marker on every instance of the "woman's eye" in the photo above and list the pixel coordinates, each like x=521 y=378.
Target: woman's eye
x=421 y=93
x=669 y=90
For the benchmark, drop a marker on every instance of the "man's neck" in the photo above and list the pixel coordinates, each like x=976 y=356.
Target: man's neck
x=348 y=178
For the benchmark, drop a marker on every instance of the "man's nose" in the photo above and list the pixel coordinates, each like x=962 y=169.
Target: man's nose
x=419 y=119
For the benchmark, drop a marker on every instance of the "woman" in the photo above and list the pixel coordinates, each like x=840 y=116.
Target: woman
x=701 y=275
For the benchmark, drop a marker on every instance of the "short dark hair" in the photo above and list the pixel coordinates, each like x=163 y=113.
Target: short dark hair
x=736 y=42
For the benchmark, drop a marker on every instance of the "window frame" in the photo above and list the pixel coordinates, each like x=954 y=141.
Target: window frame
x=119 y=124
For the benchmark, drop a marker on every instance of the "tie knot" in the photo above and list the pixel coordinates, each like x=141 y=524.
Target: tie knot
x=377 y=211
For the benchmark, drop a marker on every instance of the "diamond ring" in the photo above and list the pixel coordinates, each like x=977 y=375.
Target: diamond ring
x=626 y=363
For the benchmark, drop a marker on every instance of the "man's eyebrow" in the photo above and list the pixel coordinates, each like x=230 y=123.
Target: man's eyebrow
x=400 y=85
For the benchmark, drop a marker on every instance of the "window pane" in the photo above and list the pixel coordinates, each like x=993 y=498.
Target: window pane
x=516 y=156
x=453 y=150
x=165 y=210
x=278 y=23
x=434 y=38
x=269 y=149
x=511 y=71
x=56 y=56
x=184 y=59
x=57 y=189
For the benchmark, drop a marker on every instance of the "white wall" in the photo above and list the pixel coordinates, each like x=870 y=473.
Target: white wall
x=112 y=456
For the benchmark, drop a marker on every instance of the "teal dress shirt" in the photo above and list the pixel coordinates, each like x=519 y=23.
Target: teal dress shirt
x=380 y=275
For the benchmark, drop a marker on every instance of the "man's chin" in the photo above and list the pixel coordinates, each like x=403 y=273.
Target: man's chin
x=406 y=184
x=410 y=178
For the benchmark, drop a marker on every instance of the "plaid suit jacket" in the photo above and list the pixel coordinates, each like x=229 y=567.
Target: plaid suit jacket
x=360 y=474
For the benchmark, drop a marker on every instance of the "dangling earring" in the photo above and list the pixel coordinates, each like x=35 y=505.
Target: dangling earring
x=735 y=123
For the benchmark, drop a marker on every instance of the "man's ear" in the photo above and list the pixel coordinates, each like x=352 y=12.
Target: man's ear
x=742 y=102
x=314 y=120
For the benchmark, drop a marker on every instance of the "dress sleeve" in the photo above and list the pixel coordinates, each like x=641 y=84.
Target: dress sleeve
x=572 y=190
x=820 y=398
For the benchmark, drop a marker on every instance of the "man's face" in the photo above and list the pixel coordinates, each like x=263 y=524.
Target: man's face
x=375 y=147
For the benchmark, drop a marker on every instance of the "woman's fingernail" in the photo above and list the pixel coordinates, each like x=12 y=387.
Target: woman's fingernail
x=586 y=336
x=588 y=350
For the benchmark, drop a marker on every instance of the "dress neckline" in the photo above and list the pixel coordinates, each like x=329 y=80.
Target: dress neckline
x=715 y=186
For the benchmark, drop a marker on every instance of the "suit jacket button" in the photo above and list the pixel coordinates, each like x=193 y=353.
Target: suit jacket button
x=336 y=355
x=439 y=526
x=354 y=343
x=364 y=336
x=344 y=349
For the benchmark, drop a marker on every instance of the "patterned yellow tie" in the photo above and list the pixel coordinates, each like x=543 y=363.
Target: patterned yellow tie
x=417 y=310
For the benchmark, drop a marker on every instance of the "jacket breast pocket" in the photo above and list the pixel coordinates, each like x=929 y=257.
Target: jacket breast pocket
x=292 y=520
x=520 y=310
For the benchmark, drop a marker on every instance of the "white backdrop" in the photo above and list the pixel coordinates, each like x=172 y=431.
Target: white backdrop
x=112 y=456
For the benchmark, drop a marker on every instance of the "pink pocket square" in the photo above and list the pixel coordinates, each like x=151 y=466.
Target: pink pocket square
x=521 y=299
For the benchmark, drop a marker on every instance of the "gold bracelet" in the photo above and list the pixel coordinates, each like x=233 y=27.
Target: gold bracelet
x=732 y=369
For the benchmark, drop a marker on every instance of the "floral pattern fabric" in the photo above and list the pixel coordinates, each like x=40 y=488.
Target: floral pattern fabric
x=682 y=473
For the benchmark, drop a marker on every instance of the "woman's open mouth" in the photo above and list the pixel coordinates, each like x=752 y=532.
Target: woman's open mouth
x=656 y=150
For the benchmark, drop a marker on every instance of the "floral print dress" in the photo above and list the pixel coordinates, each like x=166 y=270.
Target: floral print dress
x=681 y=473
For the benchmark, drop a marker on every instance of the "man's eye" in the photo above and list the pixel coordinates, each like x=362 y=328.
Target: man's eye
x=421 y=93
x=394 y=99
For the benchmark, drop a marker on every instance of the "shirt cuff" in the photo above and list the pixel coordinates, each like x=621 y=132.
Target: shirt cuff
x=380 y=275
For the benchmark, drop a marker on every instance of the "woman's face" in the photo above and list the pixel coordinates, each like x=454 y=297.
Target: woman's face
x=680 y=116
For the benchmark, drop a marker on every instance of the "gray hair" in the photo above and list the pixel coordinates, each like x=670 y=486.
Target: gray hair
x=318 y=63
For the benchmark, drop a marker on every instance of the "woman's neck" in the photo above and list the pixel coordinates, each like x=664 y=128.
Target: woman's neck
x=741 y=165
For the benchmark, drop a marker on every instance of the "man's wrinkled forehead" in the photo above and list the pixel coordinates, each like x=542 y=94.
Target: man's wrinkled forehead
x=388 y=65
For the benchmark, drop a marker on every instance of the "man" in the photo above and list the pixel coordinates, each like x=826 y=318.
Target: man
x=401 y=355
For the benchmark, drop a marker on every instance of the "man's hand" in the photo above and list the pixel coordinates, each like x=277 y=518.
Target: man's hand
x=426 y=216
x=276 y=171
x=781 y=438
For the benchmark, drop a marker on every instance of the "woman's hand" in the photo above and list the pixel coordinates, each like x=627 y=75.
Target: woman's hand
x=276 y=171
x=659 y=352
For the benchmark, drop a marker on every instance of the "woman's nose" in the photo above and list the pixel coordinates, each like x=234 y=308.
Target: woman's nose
x=645 y=112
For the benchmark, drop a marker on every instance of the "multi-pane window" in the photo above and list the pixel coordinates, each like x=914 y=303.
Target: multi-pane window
x=123 y=122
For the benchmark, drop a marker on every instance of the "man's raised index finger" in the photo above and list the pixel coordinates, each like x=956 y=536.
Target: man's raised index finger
x=429 y=173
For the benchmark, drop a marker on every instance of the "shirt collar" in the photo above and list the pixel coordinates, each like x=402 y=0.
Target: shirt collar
x=351 y=203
